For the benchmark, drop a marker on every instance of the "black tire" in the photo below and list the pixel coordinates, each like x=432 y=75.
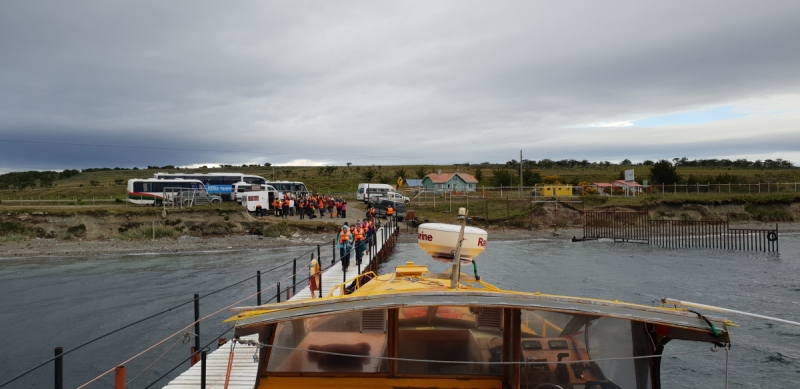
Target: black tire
x=772 y=236
x=215 y=201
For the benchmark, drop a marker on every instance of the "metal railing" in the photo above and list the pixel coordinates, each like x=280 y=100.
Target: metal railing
x=387 y=233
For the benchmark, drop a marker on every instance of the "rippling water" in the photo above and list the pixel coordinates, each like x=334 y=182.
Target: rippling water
x=66 y=301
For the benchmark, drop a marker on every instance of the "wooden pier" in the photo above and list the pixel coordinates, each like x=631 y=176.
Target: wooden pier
x=245 y=358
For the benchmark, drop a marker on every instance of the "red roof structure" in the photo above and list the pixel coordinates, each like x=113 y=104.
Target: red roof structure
x=443 y=178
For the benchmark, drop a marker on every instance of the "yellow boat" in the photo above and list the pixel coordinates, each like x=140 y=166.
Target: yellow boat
x=412 y=328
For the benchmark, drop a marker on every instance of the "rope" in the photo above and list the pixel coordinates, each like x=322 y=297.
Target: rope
x=234 y=366
x=259 y=344
x=185 y=339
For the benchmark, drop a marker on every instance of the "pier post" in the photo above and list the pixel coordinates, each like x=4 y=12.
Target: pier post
x=119 y=377
x=294 y=276
x=202 y=369
x=258 y=287
x=278 y=292
x=333 y=252
x=196 y=326
x=59 y=363
x=319 y=256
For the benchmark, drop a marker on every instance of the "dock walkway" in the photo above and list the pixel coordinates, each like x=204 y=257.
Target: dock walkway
x=245 y=365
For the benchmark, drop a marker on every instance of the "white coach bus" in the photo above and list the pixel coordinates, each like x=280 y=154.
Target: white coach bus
x=150 y=191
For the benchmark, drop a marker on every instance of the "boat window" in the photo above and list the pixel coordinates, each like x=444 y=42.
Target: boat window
x=554 y=337
x=356 y=333
x=450 y=334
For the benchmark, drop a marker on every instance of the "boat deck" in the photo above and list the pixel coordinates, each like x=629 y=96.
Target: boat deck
x=244 y=371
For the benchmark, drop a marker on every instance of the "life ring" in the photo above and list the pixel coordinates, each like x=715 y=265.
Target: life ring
x=772 y=236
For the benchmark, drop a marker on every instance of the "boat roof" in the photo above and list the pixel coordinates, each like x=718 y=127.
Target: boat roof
x=413 y=285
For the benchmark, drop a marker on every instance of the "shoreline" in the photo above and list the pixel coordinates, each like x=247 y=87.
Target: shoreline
x=55 y=248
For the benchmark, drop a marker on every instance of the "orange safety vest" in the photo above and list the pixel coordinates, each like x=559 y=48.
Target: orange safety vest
x=285 y=203
x=344 y=236
x=359 y=235
x=372 y=212
x=390 y=211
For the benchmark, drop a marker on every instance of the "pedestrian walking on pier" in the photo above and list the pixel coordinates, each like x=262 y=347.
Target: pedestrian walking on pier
x=314 y=280
x=345 y=239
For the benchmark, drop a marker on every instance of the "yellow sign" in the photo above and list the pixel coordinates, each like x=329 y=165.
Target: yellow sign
x=399 y=181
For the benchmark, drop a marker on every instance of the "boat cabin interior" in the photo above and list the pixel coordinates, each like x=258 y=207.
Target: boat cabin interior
x=425 y=340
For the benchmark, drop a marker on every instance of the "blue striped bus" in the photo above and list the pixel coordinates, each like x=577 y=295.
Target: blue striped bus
x=220 y=184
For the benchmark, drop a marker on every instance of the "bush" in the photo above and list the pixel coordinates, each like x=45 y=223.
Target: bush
x=146 y=232
x=13 y=238
x=76 y=230
x=768 y=214
x=277 y=229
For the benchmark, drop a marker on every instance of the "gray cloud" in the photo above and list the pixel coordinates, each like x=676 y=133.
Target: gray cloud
x=433 y=82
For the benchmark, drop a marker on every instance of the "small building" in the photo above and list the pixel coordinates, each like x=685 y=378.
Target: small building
x=632 y=187
x=603 y=187
x=554 y=190
x=414 y=183
x=449 y=182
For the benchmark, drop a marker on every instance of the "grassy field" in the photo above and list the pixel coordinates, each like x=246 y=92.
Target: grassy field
x=84 y=187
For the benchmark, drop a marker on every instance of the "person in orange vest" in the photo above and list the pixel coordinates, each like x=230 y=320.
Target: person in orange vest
x=370 y=213
x=321 y=207
x=389 y=211
x=276 y=206
x=358 y=239
x=285 y=208
x=300 y=208
x=314 y=277
x=345 y=240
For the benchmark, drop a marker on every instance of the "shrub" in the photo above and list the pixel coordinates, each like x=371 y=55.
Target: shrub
x=13 y=238
x=768 y=214
x=146 y=232
x=77 y=230
x=277 y=229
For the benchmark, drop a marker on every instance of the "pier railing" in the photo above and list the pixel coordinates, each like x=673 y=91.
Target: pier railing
x=387 y=234
x=637 y=227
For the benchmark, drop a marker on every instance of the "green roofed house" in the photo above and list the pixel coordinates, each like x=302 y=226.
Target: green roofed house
x=448 y=182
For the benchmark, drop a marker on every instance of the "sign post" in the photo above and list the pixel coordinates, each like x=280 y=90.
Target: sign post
x=629 y=181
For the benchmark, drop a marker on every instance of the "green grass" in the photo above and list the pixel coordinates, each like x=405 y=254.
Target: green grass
x=146 y=232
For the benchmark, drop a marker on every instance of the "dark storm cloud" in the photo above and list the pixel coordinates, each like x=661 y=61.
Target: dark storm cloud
x=457 y=81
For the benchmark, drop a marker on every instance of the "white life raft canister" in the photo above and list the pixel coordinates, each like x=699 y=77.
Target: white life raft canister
x=440 y=241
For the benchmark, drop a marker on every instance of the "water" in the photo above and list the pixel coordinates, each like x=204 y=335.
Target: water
x=66 y=301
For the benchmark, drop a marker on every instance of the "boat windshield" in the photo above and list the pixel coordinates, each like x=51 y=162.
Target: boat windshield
x=578 y=351
x=554 y=337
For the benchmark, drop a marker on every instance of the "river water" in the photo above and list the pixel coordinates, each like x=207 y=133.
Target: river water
x=66 y=301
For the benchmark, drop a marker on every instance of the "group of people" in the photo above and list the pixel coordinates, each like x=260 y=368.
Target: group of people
x=304 y=207
x=352 y=240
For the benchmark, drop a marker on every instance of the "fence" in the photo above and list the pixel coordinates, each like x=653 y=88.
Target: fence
x=637 y=227
x=58 y=201
x=387 y=234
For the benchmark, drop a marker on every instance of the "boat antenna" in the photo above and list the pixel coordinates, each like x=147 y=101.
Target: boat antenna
x=463 y=213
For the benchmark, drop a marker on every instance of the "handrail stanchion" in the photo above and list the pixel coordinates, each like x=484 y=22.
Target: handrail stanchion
x=119 y=377
x=202 y=370
x=258 y=287
x=319 y=256
x=333 y=251
x=196 y=326
x=59 y=378
x=278 y=291
x=294 y=277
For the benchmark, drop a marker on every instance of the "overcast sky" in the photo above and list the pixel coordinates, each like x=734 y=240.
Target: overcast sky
x=375 y=82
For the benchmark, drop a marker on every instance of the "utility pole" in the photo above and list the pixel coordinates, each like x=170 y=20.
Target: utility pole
x=520 y=174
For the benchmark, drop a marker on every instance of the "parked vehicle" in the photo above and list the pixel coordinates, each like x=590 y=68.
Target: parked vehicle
x=215 y=183
x=398 y=206
x=240 y=187
x=151 y=191
x=259 y=202
x=296 y=188
x=375 y=192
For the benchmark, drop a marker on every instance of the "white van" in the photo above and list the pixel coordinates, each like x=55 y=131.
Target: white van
x=375 y=192
x=240 y=187
x=259 y=202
